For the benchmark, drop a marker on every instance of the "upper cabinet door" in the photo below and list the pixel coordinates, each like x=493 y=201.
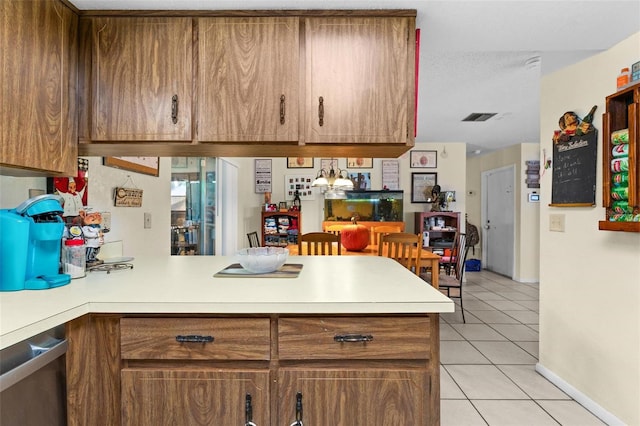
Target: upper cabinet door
x=38 y=61
x=248 y=79
x=142 y=79
x=358 y=85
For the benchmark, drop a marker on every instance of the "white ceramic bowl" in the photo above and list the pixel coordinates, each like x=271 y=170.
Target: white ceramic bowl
x=262 y=259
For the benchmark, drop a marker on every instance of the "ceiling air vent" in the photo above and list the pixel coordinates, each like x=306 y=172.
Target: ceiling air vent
x=479 y=116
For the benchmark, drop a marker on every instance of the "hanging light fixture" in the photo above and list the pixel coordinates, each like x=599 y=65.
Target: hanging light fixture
x=333 y=182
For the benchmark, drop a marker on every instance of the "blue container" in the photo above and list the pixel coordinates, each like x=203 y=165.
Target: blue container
x=14 y=244
x=30 y=245
x=473 y=265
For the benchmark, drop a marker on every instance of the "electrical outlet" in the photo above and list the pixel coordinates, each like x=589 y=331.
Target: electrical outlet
x=147 y=220
x=556 y=222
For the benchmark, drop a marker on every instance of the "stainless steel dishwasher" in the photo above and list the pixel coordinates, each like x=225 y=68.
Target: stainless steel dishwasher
x=33 y=381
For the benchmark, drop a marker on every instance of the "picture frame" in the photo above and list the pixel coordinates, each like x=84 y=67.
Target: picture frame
x=421 y=182
x=143 y=165
x=327 y=164
x=299 y=162
x=359 y=163
x=423 y=159
x=179 y=162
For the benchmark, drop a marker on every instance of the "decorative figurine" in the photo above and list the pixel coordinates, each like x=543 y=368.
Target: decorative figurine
x=93 y=236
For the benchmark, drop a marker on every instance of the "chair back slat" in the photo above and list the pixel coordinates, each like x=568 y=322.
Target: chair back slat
x=376 y=231
x=319 y=244
x=403 y=247
x=461 y=256
x=254 y=241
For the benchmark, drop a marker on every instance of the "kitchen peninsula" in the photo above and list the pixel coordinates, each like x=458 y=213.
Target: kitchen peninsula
x=354 y=332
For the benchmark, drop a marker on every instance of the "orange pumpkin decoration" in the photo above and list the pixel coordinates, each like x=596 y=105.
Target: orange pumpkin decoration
x=355 y=237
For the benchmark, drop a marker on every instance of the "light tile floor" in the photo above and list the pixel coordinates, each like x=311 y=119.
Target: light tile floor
x=487 y=368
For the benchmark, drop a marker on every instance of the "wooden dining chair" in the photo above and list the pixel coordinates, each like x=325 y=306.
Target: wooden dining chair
x=448 y=260
x=451 y=283
x=254 y=241
x=319 y=243
x=404 y=247
x=376 y=231
x=334 y=229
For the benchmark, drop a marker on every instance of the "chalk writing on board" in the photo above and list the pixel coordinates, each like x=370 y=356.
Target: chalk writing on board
x=574 y=170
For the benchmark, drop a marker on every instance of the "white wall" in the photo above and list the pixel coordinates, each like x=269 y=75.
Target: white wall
x=526 y=265
x=128 y=222
x=589 y=279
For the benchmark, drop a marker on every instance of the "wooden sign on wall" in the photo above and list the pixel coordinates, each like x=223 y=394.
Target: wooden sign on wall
x=128 y=197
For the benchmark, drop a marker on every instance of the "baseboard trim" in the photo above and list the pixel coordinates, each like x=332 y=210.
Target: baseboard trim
x=579 y=397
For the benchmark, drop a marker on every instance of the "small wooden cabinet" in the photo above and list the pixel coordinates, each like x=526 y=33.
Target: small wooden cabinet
x=38 y=62
x=248 y=82
x=136 y=79
x=281 y=228
x=359 y=77
x=441 y=226
x=620 y=156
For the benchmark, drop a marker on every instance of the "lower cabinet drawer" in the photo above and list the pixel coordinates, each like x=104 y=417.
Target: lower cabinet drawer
x=354 y=338
x=195 y=338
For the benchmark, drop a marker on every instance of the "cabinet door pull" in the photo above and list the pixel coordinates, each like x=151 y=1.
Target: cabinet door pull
x=174 y=109
x=248 y=411
x=194 y=338
x=321 y=111
x=352 y=338
x=298 y=421
x=282 y=111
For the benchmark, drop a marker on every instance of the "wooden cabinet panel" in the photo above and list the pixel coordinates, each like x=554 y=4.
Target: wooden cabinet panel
x=142 y=78
x=358 y=88
x=233 y=338
x=387 y=397
x=366 y=338
x=248 y=79
x=203 y=397
x=38 y=61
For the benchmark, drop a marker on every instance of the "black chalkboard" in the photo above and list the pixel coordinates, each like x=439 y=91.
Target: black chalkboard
x=574 y=170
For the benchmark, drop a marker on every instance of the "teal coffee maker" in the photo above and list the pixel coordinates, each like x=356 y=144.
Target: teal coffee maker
x=30 y=240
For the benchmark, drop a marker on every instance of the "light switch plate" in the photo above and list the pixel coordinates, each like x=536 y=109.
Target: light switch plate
x=147 y=220
x=556 y=222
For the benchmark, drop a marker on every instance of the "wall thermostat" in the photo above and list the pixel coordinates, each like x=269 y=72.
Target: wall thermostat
x=534 y=197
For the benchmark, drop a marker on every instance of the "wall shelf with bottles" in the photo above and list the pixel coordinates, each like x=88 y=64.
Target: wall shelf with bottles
x=620 y=155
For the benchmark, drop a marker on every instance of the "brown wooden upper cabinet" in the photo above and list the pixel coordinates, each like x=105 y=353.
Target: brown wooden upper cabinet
x=248 y=86
x=359 y=80
x=38 y=60
x=140 y=78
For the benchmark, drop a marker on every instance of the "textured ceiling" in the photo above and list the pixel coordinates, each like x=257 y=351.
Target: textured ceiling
x=473 y=54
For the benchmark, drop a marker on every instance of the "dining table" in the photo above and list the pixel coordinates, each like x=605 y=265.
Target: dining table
x=428 y=259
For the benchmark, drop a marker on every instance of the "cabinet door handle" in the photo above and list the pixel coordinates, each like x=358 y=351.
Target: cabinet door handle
x=174 y=109
x=282 y=110
x=298 y=421
x=321 y=111
x=352 y=338
x=248 y=411
x=194 y=338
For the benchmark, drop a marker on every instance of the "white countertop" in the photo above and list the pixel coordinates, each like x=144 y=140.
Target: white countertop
x=185 y=284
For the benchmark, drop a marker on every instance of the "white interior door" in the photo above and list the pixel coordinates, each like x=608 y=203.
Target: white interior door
x=498 y=208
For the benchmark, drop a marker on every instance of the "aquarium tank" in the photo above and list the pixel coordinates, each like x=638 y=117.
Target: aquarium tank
x=367 y=206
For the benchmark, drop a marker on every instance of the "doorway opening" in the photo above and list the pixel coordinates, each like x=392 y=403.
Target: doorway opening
x=193 y=206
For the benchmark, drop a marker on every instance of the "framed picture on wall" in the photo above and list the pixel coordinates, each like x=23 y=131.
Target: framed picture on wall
x=300 y=162
x=423 y=159
x=144 y=165
x=421 y=186
x=359 y=163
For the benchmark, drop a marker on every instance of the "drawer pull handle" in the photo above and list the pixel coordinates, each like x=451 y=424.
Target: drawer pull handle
x=194 y=338
x=349 y=338
x=298 y=421
x=321 y=111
